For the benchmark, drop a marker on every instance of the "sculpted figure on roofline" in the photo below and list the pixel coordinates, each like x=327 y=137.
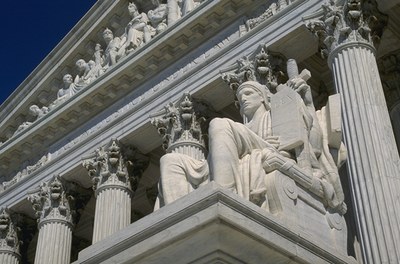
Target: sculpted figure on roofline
x=138 y=32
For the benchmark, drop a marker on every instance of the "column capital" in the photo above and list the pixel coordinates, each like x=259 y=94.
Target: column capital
x=345 y=22
x=182 y=123
x=9 y=239
x=116 y=166
x=52 y=201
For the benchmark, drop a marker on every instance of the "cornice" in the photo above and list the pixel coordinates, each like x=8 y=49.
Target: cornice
x=128 y=118
x=167 y=47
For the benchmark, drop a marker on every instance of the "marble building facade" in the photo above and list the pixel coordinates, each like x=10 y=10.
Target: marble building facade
x=117 y=148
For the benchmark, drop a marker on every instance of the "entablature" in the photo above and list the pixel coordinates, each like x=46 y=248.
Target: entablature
x=127 y=118
x=147 y=61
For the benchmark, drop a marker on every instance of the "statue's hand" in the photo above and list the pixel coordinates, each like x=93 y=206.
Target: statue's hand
x=302 y=88
x=274 y=141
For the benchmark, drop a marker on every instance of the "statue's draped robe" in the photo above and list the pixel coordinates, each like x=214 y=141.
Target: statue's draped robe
x=240 y=152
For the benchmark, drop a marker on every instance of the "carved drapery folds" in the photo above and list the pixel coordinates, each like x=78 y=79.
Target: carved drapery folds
x=9 y=238
x=304 y=139
x=115 y=165
x=341 y=22
x=182 y=127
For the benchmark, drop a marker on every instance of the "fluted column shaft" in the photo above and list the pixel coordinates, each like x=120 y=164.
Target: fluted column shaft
x=373 y=160
x=54 y=242
x=9 y=257
x=113 y=211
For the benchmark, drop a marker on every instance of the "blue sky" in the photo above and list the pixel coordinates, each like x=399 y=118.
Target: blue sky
x=31 y=29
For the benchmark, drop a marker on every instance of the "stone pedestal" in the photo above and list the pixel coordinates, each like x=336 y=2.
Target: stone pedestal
x=113 y=211
x=373 y=161
x=213 y=225
x=54 y=242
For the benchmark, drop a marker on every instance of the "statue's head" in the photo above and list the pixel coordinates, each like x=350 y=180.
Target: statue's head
x=108 y=35
x=34 y=110
x=132 y=8
x=81 y=64
x=67 y=79
x=251 y=96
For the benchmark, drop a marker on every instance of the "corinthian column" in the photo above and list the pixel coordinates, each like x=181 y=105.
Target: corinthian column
x=184 y=166
x=347 y=34
x=9 y=242
x=115 y=177
x=52 y=205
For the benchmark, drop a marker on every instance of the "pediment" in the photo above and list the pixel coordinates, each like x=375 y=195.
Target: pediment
x=139 y=66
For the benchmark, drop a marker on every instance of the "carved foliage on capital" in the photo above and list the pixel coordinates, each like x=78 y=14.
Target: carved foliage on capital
x=182 y=123
x=9 y=240
x=265 y=67
x=115 y=165
x=343 y=21
x=52 y=201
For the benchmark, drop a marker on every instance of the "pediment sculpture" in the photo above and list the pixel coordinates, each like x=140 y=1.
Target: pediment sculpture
x=139 y=31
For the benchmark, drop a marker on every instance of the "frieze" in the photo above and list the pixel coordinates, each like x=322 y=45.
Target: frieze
x=268 y=11
x=138 y=33
x=25 y=171
x=192 y=62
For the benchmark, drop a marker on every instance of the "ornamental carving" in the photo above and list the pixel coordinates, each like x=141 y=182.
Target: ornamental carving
x=265 y=67
x=115 y=165
x=9 y=240
x=52 y=201
x=148 y=19
x=340 y=22
x=274 y=8
x=184 y=167
x=182 y=123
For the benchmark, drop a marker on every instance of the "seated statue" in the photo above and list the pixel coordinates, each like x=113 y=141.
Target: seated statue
x=115 y=49
x=69 y=89
x=138 y=32
x=237 y=150
x=240 y=155
x=38 y=112
x=34 y=111
x=158 y=16
x=88 y=70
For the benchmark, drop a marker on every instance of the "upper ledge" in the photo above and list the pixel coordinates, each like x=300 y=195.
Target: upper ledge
x=167 y=47
x=31 y=83
x=212 y=219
